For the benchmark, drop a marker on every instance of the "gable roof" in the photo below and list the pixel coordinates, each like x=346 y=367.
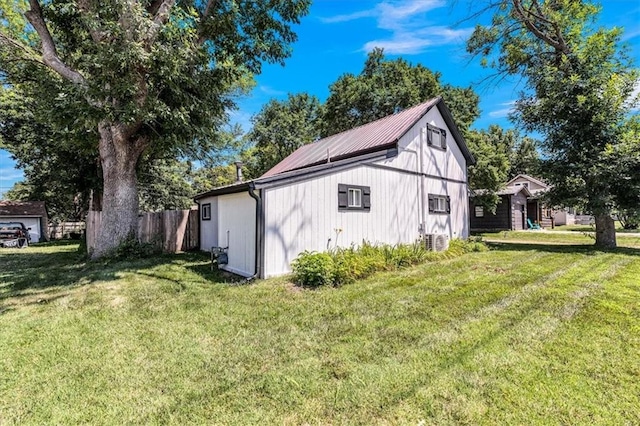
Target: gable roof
x=530 y=179
x=513 y=190
x=23 y=208
x=509 y=190
x=378 y=135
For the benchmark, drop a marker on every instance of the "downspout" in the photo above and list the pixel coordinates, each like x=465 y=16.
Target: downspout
x=422 y=203
x=259 y=226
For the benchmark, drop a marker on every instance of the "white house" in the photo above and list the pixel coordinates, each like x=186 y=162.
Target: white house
x=394 y=180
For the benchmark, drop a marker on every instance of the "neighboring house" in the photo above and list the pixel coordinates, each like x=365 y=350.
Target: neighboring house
x=394 y=180
x=32 y=213
x=511 y=212
x=537 y=211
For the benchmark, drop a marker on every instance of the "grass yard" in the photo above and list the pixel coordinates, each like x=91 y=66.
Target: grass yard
x=522 y=334
x=556 y=238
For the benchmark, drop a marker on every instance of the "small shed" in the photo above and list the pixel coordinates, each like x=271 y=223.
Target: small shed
x=33 y=214
x=510 y=214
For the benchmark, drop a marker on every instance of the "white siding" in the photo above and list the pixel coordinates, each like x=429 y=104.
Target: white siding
x=237 y=230
x=532 y=185
x=209 y=228
x=30 y=222
x=305 y=216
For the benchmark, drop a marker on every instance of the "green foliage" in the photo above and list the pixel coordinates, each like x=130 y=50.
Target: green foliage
x=346 y=265
x=385 y=87
x=629 y=218
x=164 y=185
x=131 y=248
x=280 y=128
x=313 y=269
x=578 y=87
x=123 y=81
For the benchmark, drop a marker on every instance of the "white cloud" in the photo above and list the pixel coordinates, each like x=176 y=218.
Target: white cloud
x=271 y=91
x=503 y=112
x=408 y=24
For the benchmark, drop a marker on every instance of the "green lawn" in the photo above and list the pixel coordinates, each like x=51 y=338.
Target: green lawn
x=555 y=238
x=522 y=334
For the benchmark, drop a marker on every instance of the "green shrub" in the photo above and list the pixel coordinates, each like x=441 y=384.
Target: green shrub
x=346 y=265
x=312 y=269
x=131 y=248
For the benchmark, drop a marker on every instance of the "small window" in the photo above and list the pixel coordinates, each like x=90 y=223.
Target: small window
x=526 y=185
x=206 y=211
x=354 y=197
x=436 y=137
x=479 y=211
x=439 y=204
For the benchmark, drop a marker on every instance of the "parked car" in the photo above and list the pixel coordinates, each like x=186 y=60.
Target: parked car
x=14 y=234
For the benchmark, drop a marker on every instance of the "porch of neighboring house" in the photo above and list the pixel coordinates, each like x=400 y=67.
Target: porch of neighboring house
x=539 y=214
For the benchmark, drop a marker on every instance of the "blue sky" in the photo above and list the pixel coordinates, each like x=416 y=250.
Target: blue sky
x=337 y=34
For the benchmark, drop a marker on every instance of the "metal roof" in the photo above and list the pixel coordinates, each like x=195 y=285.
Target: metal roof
x=374 y=136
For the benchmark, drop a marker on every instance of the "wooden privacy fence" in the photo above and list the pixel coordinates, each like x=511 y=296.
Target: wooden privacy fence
x=174 y=230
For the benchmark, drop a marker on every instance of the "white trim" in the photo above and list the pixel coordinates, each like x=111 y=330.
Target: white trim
x=236 y=271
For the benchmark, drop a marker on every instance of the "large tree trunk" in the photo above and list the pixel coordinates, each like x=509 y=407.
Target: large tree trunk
x=605 y=231
x=119 y=154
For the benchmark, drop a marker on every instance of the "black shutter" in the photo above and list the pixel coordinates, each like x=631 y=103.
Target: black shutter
x=343 y=201
x=448 y=204
x=432 y=203
x=443 y=139
x=366 y=197
x=429 y=136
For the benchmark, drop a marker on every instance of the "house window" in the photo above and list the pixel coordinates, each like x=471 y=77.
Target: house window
x=354 y=197
x=479 y=211
x=206 y=211
x=436 y=137
x=439 y=204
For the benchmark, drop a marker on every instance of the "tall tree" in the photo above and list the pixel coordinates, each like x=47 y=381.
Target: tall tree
x=524 y=157
x=388 y=86
x=492 y=149
x=139 y=77
x=281 y=127
x=578 y=84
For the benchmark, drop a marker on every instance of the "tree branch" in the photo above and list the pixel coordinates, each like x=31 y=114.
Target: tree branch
x=30 y=54
x=160 y=18
x=49 y=53
x=521 y=13
x=205 y=14
x=96 y=35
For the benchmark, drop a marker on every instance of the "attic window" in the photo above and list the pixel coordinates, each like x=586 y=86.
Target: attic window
x=436 y=137
x=439 y=204
x=354 y=197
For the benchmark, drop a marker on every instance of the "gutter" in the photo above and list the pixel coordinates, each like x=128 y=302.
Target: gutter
x=259 y=226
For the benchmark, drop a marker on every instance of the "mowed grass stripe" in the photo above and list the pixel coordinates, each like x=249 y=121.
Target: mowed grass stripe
x=457 y=342
x=534 y=336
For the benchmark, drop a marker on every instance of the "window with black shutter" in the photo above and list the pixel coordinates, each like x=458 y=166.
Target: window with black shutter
x=206 y=211
x=439 y=204
x=436 y=137
x=354 y=197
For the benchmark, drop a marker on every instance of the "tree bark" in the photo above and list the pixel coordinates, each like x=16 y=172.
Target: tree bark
x=119 y=157
x=605 y=231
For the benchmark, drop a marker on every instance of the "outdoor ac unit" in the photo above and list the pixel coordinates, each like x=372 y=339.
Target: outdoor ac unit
x=436 y=242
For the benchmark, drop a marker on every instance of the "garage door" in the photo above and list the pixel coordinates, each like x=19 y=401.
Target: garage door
x=30 y=222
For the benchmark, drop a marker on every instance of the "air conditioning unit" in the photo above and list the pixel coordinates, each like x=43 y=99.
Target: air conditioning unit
x=436 y=242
